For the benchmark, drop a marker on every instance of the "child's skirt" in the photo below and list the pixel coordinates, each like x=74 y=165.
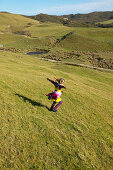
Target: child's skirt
x=54 y=97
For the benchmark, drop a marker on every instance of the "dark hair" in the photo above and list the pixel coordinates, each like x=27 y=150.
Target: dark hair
x=61 y=80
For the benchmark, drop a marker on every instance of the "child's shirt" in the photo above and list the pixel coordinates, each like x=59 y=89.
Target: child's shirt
x=57 y=92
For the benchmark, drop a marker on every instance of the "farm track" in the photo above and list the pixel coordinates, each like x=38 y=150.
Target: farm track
x=78 y=65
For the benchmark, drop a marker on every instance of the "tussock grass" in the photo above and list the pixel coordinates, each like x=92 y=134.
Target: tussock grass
x=79 y=136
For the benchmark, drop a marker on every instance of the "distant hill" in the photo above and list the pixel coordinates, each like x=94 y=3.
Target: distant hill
x=65 y=20
x=47 y=18
x=91 y=17
x=76 y=19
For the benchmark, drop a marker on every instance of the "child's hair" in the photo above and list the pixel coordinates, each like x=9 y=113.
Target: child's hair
x=60 y=81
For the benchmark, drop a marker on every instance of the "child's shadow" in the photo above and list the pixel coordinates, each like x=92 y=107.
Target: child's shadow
x=34 y=103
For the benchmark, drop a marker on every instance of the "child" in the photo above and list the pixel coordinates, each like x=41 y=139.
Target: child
x=55 y=96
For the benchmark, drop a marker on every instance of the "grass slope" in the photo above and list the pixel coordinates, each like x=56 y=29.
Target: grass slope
x=79 y=136
x=89 y=39
x=23 y=43
x=18 y=33
x=10 y=22
x=45 y=35
x=107 y=22
x=15 y=19
x=77 y=19
x=49 y=30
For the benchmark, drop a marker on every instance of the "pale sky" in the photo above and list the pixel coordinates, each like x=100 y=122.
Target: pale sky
x=55 y=7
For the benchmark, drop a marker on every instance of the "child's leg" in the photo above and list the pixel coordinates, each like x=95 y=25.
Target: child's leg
x=57 y=106
x=51 y=108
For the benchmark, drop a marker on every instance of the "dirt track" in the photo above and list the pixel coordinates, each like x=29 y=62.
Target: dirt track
x=78 y=65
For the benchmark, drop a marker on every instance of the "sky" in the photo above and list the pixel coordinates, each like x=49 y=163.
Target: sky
x=55 y=7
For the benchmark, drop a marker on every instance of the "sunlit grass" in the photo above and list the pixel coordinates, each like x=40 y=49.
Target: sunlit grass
x=107 y=22
x=79 y=136
x=49 y=30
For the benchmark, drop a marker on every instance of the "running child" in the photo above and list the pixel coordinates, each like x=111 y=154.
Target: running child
x=55 y=95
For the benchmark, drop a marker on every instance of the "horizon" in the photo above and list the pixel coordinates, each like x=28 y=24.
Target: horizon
x=28 y=7
x=56 y=15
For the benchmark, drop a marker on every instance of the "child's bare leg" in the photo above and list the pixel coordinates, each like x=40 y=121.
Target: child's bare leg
x=57 y=106
x=51 y=108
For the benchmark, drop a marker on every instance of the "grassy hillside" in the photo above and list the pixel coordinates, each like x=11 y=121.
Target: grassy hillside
x=79 y=136
x=23 y=43
x=83 y=39
x=75 y=20
x=47 y=18
x=107 y=22
x=91 y=17
x=15 y=19
x=63 y=43
x=47 y=34
x=89 y=39
x=10 y=22
x=49 y=30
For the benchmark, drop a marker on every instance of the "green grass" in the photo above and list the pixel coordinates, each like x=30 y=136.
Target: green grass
x=82 y=39
x=49 y=30
x=9 y=19
x=107 y=22
x=23 y=43
x=79 y=136
x=89 y=39
x=44 y=35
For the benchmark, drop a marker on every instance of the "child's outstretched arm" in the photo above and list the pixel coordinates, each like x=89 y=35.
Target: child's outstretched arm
x=53 y=82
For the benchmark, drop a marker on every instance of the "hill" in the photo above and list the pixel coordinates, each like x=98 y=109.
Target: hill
x=105 y=24
x=65 y=20
x=13 y=22
x=79 y=136
x=47 y=18
x=91 y=17
x=92 y=46
x=15 y=19
x=76 y=19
